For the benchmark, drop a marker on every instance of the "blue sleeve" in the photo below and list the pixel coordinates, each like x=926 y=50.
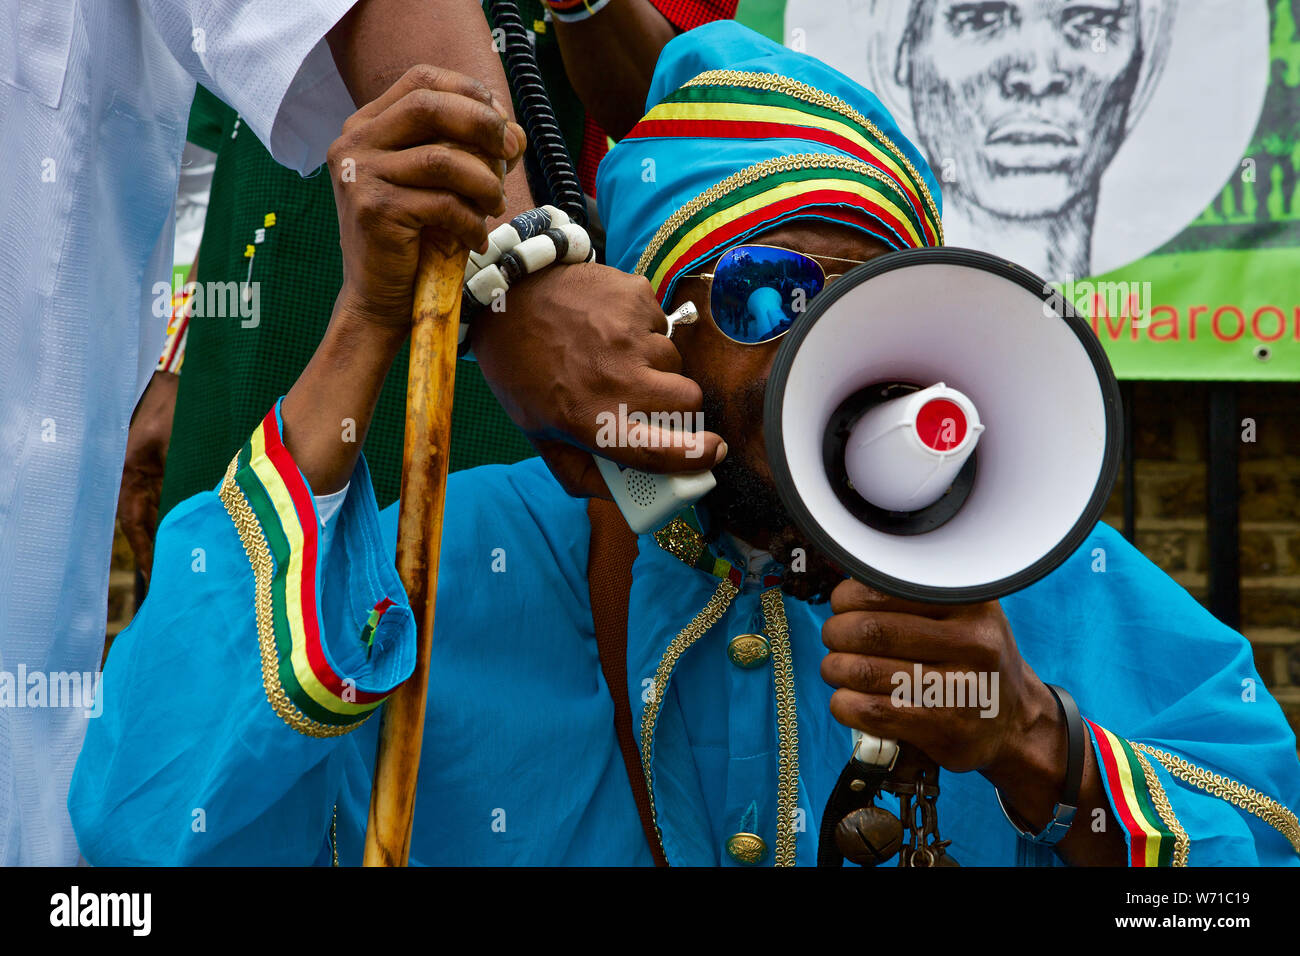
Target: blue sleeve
x=237 y=712
x=1198 y=759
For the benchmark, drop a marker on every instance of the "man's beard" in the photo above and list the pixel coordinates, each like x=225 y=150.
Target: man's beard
x=746 y=503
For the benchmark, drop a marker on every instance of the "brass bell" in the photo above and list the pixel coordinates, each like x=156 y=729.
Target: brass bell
x=869 y=836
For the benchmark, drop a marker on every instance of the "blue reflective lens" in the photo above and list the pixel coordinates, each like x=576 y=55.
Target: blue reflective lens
x=758 y=291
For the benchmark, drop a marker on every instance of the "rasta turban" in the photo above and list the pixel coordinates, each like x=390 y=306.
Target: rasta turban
x=743 y=135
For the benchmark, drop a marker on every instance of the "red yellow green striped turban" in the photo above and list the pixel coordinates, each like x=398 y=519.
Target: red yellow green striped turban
x=742 y=135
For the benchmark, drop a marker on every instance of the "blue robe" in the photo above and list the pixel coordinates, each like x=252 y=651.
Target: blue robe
x=239 y=719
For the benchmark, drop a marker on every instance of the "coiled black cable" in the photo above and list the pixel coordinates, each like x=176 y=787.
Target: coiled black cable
x=538 y=117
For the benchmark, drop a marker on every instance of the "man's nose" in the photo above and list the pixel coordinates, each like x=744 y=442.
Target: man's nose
x=1034 y=75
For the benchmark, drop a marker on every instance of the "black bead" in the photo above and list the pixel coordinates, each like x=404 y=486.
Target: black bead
x=561 y=240
x=512 y=267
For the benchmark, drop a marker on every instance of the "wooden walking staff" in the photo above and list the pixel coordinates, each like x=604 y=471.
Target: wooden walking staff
x=429 y=391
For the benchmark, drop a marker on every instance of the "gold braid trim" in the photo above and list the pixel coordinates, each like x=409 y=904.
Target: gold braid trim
x=751 y=174
x=787 y=724
x=778 y=631
x=1165 y=809
x=1225 y=788
x=259 y=557
x=692 y=632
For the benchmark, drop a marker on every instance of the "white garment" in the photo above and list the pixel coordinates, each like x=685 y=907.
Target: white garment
x=192 y=195
x=94 y=97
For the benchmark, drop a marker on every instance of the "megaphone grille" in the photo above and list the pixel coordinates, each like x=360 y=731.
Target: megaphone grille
x=1033 y=369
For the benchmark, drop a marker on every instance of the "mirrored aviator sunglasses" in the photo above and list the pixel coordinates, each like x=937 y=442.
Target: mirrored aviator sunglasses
x=756 y=292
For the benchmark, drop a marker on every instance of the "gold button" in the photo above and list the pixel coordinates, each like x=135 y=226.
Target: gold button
x=746 y=848
x=749 y=650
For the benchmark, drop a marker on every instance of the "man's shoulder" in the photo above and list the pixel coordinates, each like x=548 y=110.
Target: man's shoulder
x=524 y=497
x=513 y=520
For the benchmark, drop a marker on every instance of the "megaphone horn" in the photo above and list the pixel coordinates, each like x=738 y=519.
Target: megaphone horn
x=943 y=425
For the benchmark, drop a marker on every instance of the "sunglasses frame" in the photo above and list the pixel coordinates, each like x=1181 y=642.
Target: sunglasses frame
x=708 y=277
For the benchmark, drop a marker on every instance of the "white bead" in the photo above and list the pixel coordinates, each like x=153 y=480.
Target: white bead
x=558 y=216
x=483 y=287
x=500 y=241
x=536 y=253
x=579 y=243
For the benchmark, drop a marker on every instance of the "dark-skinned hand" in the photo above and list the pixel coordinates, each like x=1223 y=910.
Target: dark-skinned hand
x=872 y=636
x=431 y=151
x=574 y=342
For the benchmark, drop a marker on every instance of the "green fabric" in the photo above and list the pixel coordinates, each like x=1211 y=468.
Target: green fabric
x=207 y=119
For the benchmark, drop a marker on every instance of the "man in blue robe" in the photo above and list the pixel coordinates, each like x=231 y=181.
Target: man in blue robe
x=237 y=709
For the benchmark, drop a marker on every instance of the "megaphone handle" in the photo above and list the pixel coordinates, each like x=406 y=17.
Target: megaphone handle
x=874 y=751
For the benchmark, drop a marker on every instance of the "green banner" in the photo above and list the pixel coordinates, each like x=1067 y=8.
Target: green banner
x=1143 y=156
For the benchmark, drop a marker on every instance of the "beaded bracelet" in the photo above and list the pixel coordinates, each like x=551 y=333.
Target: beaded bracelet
x=526 y=244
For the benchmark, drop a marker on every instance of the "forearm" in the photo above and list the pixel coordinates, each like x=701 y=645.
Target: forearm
x=1032 y=781
x=379 y=40
x=610 y=59
x=328 y=411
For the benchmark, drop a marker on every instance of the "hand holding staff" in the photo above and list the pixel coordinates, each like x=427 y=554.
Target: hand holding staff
x=440 y=181
x=416 y=173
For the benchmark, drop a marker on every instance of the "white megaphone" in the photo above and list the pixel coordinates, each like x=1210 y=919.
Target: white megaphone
x=944 y=427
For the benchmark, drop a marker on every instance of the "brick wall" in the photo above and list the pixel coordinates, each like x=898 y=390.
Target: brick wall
x=1170 y=450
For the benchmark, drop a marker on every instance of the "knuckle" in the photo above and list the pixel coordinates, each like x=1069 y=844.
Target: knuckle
x=425 y=75
x=437 y=162
x=374 y=208
x=863 y=674
x=477 y=89
x=869 y=632
x=425 y=102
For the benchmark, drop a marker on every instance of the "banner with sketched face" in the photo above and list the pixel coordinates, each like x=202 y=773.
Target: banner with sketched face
x=1143 y=156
